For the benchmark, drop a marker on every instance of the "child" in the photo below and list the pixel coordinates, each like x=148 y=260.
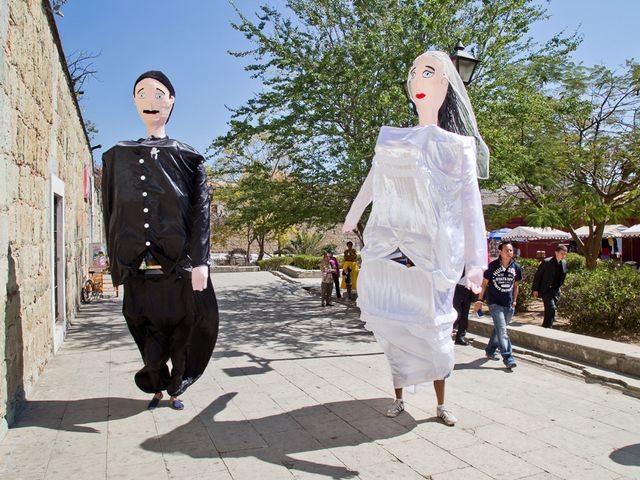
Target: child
x=327 y=280
x=346 y=273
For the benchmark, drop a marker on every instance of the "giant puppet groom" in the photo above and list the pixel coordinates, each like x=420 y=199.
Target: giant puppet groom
x=156 y=216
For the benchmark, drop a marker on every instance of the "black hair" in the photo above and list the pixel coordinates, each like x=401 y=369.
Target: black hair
x=502 y=244
x=450 y=115
x=163 y=79
x=349 y=242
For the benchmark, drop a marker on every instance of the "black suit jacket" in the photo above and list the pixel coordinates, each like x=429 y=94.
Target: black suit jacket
x=155 y=198
x=544 y=280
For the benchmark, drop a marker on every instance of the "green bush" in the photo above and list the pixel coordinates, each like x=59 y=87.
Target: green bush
x=308 y=262
x=274 y=262
x=604 y=300
x=525 y=294
x=329 y=247
x=575 y=262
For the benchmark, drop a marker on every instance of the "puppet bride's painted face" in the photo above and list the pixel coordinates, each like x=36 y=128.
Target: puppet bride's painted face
x=153 y=102
x=427 y=86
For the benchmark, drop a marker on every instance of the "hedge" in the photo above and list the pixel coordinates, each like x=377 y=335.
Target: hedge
x=604 y=300
x=525 y=294
x=274 y=262
x=308 y=262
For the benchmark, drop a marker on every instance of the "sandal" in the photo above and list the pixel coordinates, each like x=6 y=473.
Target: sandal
x=155 y=401
x=176 y=404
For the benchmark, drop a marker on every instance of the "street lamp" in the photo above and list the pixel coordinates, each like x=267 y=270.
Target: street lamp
x=465 y=62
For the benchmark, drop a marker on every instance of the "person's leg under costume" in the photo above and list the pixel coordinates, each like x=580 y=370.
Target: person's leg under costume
x=170 y=321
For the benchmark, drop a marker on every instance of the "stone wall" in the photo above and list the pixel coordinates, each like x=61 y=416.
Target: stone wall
x=43 y=150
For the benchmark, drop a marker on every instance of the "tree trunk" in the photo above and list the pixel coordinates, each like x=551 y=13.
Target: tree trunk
x=261 y=240
x=593 y=245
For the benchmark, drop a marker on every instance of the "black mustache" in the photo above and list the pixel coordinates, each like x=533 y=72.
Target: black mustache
x=151 y=111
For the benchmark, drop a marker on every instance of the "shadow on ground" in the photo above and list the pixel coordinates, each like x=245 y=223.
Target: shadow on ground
x=276 y=438
x=286 y=327
x=74 y=415
x=629 y=455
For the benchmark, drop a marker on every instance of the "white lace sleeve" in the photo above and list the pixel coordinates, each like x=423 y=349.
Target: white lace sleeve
x=364 y=198
x=475 y=242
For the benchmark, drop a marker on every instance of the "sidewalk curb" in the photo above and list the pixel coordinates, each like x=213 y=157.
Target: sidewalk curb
x=617 y=357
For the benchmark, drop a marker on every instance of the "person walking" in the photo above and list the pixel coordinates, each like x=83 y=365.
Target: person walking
x=500 y=285
x=156 y=215
x=547 y=282
x=425 y=227
x=462 y=300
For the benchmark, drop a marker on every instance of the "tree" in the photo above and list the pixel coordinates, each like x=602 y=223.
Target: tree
x=574 y=155
x=260 y=197
x=334 y=73
x=81 y=68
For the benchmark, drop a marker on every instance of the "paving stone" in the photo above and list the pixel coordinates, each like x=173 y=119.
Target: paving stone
x=495 y=462
x=294 y=394
x=424 y=457
x=566 y=465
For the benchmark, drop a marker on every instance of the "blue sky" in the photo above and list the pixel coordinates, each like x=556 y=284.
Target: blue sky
x=188 y=40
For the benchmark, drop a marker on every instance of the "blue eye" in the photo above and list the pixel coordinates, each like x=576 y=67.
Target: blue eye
x=427 y=74
x=140 y=94
x=159 y=96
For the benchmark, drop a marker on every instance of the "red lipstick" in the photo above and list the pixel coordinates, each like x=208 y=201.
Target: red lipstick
x=420 y=96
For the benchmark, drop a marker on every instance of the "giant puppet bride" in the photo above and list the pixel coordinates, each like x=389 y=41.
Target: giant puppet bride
x=425 y=229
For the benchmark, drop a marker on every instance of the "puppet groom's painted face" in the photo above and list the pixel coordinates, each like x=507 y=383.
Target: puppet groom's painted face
x=427 y=85
x=153 y=102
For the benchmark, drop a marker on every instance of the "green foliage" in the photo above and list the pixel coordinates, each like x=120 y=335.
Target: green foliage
x=525 y=294
x=273 y=263
x=575 y=262
x=329 y=248
x=334 y=73
x=308 y=262
x=604 y=300
x=305 y=243
x=564 y=138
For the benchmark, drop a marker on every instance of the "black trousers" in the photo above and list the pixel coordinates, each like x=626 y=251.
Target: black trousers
x=168 y=320
x=462 y=299
x=550 y=300
x=336 y=282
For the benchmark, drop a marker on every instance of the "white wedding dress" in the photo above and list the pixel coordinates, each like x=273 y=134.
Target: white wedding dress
x=426 y=203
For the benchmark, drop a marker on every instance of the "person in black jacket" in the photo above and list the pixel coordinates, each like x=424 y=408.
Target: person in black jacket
x=547 y=282
x=157 y=220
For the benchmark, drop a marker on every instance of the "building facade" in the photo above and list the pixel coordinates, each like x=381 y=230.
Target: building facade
x=47 y=198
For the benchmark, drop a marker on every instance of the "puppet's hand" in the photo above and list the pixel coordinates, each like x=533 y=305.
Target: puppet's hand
x=474 y=279
x=199 y=277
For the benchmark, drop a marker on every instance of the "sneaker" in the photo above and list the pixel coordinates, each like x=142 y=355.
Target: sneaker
x=510 y=364
x=446 y=417
x=396 y=408
x=491 y=356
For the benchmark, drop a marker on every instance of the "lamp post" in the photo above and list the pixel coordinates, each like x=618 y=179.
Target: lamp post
x=465 y=62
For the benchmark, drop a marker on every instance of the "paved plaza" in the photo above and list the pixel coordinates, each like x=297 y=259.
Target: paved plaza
x=297 y=391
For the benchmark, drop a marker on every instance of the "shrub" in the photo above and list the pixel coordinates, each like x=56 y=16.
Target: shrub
x=304 y=243
x=575 y=262
x=329 y=247
x=308 y=262
x=274 y=262
x=525 y=294
x=604 y=300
